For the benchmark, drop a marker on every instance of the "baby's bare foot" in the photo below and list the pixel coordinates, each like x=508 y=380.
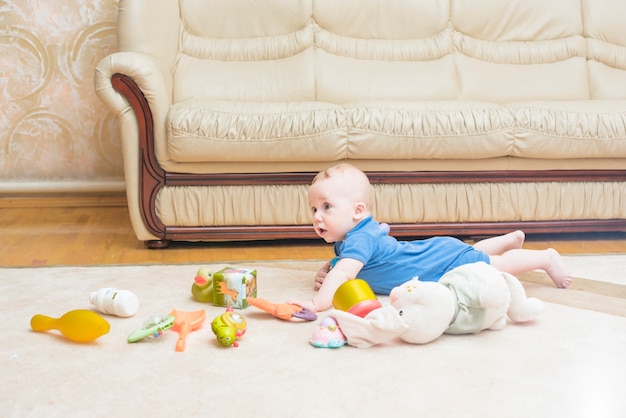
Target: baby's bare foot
x=558 y=270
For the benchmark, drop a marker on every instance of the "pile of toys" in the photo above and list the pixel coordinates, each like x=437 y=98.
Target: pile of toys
x=230 y=287
x=466 y=300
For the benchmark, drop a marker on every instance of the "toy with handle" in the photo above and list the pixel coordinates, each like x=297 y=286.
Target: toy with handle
x=284 y=311
x=79 y=325
x=152 y=327
x=184 y=323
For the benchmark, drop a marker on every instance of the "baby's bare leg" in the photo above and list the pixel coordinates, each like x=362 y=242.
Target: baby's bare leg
x=520 y=260
x=501 y=243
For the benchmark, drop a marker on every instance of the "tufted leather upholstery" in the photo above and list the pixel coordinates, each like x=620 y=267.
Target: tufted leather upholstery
x=404 y=85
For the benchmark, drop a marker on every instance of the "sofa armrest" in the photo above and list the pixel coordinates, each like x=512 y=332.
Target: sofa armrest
x=150 y=77
x=142 y=129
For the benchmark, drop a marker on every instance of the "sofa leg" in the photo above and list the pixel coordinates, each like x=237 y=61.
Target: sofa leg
x=157 y=244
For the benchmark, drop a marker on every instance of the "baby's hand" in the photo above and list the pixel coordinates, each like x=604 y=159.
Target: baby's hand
x=321 y=275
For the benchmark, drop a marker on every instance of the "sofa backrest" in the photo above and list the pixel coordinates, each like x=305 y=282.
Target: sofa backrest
x=342 y=51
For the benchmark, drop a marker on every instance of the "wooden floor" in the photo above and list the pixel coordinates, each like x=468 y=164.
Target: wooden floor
x=92 y=230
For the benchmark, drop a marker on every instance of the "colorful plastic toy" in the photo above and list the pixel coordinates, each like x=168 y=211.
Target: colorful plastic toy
x=233 y=285
x=356 y=297
x=228 y=327
x=284 y=311
x=109 y=300
x=153 y=326
x=328 y=335
x=228 y=287
x=78 y=325
x=202 y=287
x=184 y=323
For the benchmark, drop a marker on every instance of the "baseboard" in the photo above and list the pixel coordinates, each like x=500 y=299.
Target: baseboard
x=63 y=201
x=13 y=188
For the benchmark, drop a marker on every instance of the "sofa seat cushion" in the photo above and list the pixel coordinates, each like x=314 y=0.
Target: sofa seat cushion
x=210 y=131
x=570 y=129
x=205 y=131
x=428 y=130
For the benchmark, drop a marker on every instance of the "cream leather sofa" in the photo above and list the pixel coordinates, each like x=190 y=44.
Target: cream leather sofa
x=472 y=117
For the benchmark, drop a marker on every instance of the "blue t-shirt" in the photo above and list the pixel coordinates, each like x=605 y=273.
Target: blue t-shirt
x=388 y=263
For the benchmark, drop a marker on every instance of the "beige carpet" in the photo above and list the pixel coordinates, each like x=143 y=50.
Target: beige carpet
x=569 y=363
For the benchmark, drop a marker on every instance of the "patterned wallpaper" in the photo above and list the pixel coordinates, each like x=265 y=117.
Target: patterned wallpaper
x=53 y=127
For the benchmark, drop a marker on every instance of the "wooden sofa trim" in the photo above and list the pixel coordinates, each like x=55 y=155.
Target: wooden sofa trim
x=152 y=178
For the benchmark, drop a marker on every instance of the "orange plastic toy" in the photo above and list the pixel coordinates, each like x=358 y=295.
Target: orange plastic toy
x=79 y=325
x=184 y=323
x=284 y=311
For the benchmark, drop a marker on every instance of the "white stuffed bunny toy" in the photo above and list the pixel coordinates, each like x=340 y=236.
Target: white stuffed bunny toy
x=466 y=300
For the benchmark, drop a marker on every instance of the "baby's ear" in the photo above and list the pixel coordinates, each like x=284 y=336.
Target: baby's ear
x=360 y=209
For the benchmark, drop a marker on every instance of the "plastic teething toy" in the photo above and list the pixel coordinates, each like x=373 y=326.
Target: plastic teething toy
x=228 y=327
x=284 y=311
x=79 y=325
x=184 y=323
x=153 y=326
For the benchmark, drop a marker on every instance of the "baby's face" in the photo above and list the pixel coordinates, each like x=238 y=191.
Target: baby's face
x=333 y=210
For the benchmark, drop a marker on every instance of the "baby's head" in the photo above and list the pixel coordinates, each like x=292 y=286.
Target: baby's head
x=339 y=197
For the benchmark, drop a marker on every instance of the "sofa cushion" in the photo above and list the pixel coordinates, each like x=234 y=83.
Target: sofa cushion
x=428 y=130
x=578 y=129
x=204 y=131
x=201 y=131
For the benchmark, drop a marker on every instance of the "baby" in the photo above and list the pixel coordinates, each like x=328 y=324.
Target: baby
x=340 y=199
